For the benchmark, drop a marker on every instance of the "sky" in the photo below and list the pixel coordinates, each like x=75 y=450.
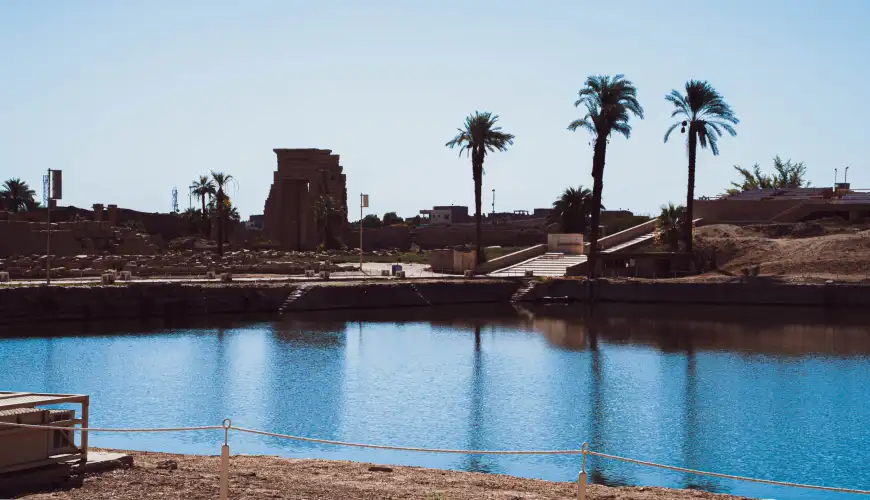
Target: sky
x=133 y=98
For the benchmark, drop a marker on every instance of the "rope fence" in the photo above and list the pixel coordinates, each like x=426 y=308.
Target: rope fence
x=581 y=480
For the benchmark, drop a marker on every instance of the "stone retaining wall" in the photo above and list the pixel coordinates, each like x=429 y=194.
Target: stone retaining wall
x=81 y=303
x=58 y=303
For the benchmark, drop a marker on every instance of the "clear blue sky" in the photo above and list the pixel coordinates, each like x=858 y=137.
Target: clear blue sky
x=131 y=98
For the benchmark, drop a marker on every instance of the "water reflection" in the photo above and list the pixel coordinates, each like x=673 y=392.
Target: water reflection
x=766 y=392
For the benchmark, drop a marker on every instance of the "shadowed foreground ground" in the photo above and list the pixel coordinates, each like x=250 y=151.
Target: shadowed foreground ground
x=257 y=477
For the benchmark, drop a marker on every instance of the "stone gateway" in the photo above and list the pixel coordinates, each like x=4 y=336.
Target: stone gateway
x=303 y=176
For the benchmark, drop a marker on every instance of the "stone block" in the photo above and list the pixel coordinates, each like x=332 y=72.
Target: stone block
x=309 y=273
x=226 y=277
x=107 y=279
x=4 y=277
x=125 y=276
x=324 y=275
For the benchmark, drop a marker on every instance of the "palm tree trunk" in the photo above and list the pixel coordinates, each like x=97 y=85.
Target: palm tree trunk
x=478 y=187
x=202 y=217
x=690 y=190
x=220 y=211
x=597 y=187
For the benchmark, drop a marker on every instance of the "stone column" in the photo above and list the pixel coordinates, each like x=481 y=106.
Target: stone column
x=112 y=212
x=98 y=212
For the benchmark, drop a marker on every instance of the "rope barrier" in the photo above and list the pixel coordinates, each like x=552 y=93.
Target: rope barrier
x=99 y=429
x=585 y=451
x=728 y=476
x=406 y=448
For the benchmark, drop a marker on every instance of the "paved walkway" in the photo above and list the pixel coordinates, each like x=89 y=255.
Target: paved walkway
x=372 y=270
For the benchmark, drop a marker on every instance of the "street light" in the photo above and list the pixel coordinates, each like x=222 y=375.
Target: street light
x=363 y=203
x=54 y=192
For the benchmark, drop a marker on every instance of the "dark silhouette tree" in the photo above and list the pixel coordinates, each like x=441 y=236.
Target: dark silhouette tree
x=203 y=187
x=391 y=218
x=572 y=209
x=609 y=104
x=325 y=210
x=706 y=114
x=669 y=223
x=479 y=137
x=371 y=221
x=16 y=196
x=221 y=182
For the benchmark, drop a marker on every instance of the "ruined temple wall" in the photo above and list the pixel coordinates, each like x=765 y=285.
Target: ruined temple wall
x=301 y=177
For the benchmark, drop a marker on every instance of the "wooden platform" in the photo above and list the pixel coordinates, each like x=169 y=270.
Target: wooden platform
x=60 y=475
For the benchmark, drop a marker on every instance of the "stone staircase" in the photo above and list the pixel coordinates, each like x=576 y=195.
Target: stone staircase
x=549 y=264
x=293 y=297
x=520 y=294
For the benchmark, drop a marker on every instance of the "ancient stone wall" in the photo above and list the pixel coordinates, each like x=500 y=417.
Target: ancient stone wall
x=440 y=237
x=302 y=176
x=72 y=238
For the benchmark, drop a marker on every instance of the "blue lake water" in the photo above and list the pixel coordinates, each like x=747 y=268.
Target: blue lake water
x=773 y=393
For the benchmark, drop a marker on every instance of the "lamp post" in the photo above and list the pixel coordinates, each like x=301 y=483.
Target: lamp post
x=54 y=192
x=846 y=175
x=493 y=201
x=363 y=203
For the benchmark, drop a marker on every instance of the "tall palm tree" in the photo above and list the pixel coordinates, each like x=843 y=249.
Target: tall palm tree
x=221 y=181
x=202 y=188
x=706 y=114
x=17 y=196
x=609 y=103
x=572 y=209
x=479 y=137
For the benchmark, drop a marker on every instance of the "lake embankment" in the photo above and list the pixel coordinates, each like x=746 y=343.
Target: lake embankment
x=192 y=477
x=19 y=304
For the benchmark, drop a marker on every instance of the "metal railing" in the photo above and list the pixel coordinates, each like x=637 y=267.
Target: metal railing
x=584 y=450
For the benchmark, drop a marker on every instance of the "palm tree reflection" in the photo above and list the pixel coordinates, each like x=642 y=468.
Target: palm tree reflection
x=476 y=463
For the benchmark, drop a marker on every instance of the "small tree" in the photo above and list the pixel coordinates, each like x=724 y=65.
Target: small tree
x=326 y=209
x=391 y=219
x=571 y=211
x=669 y=224
x=371 y=221
x=16 y=196
x=787 y=174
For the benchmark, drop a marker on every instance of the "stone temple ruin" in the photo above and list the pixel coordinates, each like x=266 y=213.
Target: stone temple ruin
x=303 y=175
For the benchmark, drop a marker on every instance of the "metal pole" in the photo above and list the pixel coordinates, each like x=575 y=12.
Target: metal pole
x=493 y=201
x=48 y=234
x=846 y=175
x=361 y=232
x=225 y=462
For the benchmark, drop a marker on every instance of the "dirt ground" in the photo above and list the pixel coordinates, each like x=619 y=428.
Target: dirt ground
x=827 y=249
x=154 y=475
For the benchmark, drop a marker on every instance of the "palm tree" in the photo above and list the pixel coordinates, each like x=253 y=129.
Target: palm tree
x=325 y=208
x=202 y=188
x=669 y=223
x=16 y=195
x=221 y=181
x=706 y=114
x=609 y=103
x=571 y=210
x=787 y=174
x=480 y=137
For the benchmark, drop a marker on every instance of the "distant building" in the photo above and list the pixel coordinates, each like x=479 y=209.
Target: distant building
x=436 y=216
x=542 y=212
x=458 y=213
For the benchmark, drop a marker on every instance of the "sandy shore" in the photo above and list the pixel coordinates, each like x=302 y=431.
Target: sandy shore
x=256 y=477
